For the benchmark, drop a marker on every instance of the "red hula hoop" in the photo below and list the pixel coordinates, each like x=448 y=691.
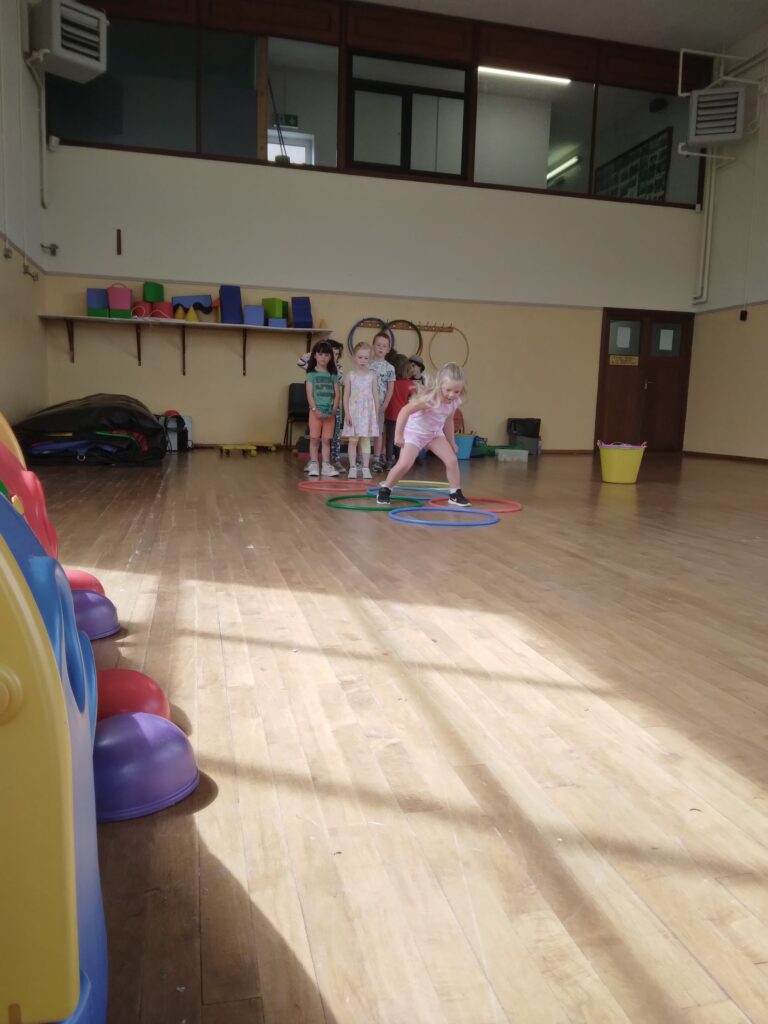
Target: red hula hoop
x=513 y=506
x=329 y=485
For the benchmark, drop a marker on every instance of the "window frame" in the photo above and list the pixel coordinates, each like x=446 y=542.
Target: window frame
x=406 y=93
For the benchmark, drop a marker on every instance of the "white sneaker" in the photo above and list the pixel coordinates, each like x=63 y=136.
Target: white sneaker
x=352 y=474
x=313 y=469
x=328 y=470
x=307 y=467
x=367 y=473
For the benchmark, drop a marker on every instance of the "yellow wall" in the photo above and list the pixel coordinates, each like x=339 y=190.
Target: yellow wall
x=728 y=391
x=524 y=361
x=23 y=385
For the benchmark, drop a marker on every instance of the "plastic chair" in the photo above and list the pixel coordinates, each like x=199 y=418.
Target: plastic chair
x=298 y=410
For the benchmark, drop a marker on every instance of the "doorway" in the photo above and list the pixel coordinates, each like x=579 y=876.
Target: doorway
x=645 y=359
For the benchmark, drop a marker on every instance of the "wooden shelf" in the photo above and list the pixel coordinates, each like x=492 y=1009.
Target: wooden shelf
x=181 y=325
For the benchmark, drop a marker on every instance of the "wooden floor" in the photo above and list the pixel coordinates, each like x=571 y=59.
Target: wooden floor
x=471 y=776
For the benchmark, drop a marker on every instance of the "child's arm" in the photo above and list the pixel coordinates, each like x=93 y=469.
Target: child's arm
x=311 y=397
x=345 y=401
x=388 y=397
x=335 y=396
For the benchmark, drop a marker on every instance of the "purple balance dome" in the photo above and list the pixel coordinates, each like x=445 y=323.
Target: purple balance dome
x=142 y=763
x=95 y=614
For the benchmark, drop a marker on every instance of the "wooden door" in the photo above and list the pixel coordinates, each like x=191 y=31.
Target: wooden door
x=645 y=359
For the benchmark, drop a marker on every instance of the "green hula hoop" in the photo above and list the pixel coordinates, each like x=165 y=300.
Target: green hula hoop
x=337 y=503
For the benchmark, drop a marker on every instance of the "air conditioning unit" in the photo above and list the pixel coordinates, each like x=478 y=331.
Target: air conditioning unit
x=74 y=36
x=716 y=115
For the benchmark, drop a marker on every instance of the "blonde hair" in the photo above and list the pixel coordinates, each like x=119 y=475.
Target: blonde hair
x=359 y=346
x=430 y=393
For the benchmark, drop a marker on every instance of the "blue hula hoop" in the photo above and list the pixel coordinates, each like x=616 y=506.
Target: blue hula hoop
x=385 y=329
x=487 y=518
x=397 y=489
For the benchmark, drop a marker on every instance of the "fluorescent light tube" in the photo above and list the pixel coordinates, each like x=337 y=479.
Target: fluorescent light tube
x=564 y=166
x=524 y=74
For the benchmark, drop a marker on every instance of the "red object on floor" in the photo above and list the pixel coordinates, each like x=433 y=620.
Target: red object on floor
x=124 y=690
x=79 y=579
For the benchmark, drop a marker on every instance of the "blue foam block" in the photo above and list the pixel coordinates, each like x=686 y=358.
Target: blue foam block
x=278 y=321
x=231 y=304
x=253 y=315
x=96 y=298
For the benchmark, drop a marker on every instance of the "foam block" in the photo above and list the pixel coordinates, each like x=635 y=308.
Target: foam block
x=231 y=304
x=254 y=315
x=278 y=321
x=96 y=298
x=275 y=307
x=202 y=302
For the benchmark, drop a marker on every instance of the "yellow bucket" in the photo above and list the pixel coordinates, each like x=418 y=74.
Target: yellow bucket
x=620 y=463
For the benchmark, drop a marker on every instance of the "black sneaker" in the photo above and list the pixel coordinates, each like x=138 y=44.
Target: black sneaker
x=457 y=498
x=384 y=496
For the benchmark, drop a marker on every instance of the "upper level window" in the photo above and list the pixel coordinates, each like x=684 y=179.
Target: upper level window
x=533 y=131
x=636 y=138
x=229 y=79
x=407 y=117
x=147 y=98
x=303 y=102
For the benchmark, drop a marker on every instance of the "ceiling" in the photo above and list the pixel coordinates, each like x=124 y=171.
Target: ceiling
x=669 y=24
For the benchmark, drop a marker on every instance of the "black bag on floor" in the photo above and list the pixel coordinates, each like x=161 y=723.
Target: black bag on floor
x=107 y=429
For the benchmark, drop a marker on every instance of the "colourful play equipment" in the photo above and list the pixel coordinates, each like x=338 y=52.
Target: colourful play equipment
x=24 y=489
x=53 y=954
x=79 y=579
x=142 y=764
x=23 y=484
x=9 y=439
x=95 y=614
x=122 y=690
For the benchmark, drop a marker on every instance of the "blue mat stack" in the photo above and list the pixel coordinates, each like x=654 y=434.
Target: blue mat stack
x=301 y=311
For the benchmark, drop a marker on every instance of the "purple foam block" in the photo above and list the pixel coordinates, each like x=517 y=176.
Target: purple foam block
x=95 y=614
x=142 y=763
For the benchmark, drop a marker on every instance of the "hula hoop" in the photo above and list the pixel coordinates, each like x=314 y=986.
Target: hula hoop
x=432 y=484
x=486 y=518
x=366 y=319
x=373 y=491
x=334 y=503
x=455 y=330
x=330 y=486
x=511 y=506
x=410 y=325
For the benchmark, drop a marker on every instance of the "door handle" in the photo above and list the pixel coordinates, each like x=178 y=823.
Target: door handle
x=646 y=384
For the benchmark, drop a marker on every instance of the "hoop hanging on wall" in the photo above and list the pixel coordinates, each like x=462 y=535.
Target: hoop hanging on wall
x=431 y=342
x=396 y=325
x=367 y=321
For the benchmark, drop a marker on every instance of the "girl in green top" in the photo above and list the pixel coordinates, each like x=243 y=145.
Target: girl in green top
x=323 y=398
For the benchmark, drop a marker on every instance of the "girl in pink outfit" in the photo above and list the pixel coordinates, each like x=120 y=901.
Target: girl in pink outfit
x=427 y=422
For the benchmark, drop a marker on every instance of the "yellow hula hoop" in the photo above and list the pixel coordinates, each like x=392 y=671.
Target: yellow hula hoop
x=431 y=340
x=438 y=485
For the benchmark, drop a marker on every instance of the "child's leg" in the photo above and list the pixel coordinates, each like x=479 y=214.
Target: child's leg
x=327 y=434
x=352 y=451
x=443 y=450
x=378 y=442
x=389 y=431
x=335 y=444
x=315 y=426
x=408 y=455
x=365 y=451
